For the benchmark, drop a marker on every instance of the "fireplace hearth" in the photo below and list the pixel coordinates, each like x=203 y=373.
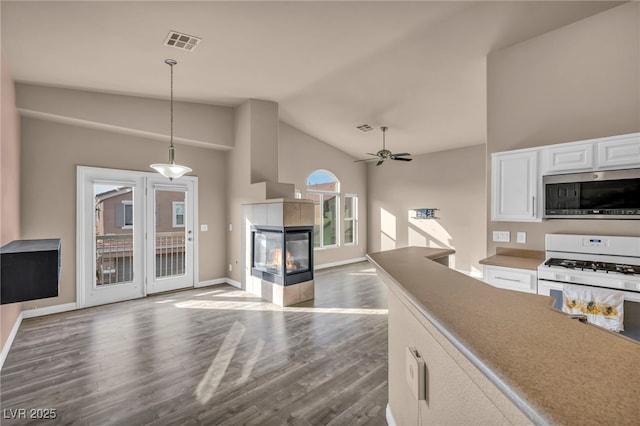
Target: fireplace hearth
x=282 y=255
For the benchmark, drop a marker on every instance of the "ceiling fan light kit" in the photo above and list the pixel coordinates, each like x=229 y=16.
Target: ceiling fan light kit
x=384 y=153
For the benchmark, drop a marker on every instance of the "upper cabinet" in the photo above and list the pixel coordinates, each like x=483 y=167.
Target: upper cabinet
x=619 y=153
x=516 y=176
x=567 y=158
x=515 y=186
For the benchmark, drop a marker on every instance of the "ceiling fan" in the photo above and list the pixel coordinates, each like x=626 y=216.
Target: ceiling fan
x=384 y=153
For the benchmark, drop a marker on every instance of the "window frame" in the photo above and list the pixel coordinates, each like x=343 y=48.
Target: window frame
x=353 y=218
x=126 y=203
x=321 y=195
x=174 y=215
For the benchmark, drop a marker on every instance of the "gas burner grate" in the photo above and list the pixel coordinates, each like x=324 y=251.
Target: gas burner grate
x=594 y=266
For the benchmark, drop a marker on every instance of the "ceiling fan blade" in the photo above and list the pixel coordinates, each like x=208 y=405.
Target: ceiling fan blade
x=379 y=162
x=375 y=155
x=365 y=159
x=401 y=154
x=402 y=159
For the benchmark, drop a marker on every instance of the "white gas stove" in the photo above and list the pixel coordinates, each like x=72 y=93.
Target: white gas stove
x=598 y=261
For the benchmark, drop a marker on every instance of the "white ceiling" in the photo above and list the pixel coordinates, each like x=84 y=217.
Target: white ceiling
x=418 y=67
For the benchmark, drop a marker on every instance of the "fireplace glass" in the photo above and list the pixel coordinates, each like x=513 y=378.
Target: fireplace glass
x=267 y=251
x=283 y=255
x=297 y=252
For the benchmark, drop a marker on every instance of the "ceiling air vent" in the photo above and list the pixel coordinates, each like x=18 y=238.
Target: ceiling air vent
x=182 y=41
x=364 y=128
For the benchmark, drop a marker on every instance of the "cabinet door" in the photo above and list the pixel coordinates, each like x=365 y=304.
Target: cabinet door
x=623 y=152
x=511 y=278
x=514 y=177
x=571 y=158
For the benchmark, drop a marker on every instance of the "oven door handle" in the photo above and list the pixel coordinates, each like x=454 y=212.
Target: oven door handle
x=563 y=277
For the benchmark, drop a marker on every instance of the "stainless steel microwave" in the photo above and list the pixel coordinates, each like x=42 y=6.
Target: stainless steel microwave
x=613 y=194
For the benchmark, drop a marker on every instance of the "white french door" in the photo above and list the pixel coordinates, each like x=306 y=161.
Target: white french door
x=170 y=234
x=135 y=235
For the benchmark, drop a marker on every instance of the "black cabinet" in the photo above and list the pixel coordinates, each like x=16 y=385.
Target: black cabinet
x=29 y=270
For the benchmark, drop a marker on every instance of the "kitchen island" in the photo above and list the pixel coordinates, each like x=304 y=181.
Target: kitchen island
x=496 y=356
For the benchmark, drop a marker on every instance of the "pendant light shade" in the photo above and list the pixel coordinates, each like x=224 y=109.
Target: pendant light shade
x=171 y=169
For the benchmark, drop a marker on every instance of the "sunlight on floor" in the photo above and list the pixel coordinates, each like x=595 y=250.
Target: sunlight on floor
x=220 y=364
x=266 y=306
x=212 y=378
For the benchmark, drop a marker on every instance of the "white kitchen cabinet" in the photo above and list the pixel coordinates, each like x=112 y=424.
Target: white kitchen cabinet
x=619 y=152
x=567 y=158
x=524 y=280
x=515 y=186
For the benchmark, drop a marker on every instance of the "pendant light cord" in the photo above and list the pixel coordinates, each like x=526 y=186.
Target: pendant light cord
x=171 y=140
x=172 y=157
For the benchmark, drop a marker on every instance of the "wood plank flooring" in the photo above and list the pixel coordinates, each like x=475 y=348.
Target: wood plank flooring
x=214 y=355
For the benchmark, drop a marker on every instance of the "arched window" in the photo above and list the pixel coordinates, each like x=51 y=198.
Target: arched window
x=323 y=187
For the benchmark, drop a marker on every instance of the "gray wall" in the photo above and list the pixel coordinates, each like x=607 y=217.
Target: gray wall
x=300 y=154
x=50 y=153
x=452 y=181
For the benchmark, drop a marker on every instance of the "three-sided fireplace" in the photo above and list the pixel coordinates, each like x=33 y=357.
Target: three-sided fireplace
x=282 y=255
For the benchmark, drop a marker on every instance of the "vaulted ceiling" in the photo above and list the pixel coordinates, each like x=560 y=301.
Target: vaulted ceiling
x=418 y=67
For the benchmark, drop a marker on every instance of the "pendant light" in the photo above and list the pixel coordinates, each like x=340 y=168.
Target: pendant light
x=171 y=169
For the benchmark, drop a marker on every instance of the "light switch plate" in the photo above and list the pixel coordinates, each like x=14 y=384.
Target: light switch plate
x=521 y=237
x=204 y=228
x=415 y=373
x=502 y=236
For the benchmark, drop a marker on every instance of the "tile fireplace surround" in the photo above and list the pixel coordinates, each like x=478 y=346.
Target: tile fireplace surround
x=276 y=214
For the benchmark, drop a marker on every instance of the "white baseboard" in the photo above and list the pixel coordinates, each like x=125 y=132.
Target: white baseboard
x=233 y=283
x=474 y=274
x=339 y=263
x=225 y=280
x=9 y=342
x=390 y=420
x=55 y=309
x=210 y=282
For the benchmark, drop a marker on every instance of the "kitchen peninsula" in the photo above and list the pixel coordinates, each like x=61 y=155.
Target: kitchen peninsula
x=496 y=356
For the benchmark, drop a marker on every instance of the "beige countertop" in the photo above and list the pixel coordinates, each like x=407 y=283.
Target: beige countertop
x=556 y=369
x=515 y=258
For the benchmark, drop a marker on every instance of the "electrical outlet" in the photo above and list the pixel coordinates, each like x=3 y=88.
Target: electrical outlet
x=204 y=228
x=415 y=373
x=521 y=237
x=502 y=236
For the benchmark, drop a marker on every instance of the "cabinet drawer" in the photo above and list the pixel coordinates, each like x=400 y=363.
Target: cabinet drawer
x=511 y=278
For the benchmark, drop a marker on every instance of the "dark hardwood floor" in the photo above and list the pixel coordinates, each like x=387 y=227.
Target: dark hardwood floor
x=214 y=355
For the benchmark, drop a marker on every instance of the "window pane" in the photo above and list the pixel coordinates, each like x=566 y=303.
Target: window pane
x=348 y=207
x=178 y=214
x=330 y=220
x=348 y=232
x=350 y=213
x=321 y=180
x=128 y=214
x=113 y=234
x=317 y=220
x=169 y=239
